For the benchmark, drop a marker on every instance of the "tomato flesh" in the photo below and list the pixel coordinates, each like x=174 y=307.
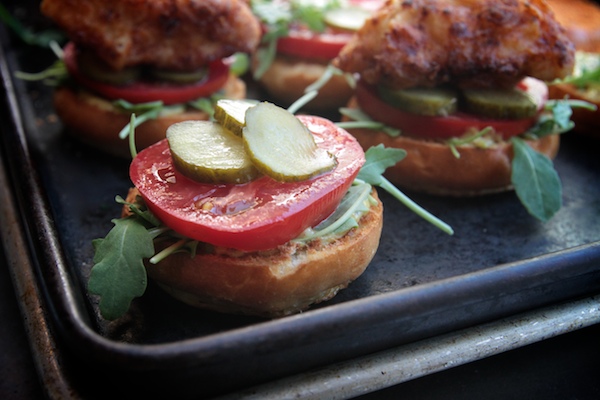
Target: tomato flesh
x=447 y=127
x=143 y=92
x=258 y=215
x=304 y=43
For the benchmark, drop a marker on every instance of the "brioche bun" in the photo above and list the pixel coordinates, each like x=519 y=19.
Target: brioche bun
x=430 y=166
x=288 y=77
x=273 y=283
x=581 y=20
x=95 y=121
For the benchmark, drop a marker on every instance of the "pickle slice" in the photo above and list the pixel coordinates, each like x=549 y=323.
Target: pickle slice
x=281 y=146
x=499 y=103
x=347 y=19
x=232 y=113
x=181 y=77
x=93 y=67
x=438 y=101
x=206 y=152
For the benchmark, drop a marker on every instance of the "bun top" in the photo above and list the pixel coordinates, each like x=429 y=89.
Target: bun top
x=171 y=34
x=581 y=20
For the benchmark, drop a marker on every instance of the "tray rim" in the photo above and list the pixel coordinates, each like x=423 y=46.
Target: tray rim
x=76 y=325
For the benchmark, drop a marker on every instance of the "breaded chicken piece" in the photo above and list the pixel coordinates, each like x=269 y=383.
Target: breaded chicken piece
x=469 y=43
x=169 y=34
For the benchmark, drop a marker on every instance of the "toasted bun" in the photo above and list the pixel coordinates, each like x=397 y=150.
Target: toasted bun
x=430 y=166
x=275 y=283
x=581 y=20
x=287 y=78
x=97 y=122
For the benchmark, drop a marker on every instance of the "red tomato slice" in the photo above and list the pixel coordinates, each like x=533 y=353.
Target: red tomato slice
x=143 y=92
x=307 y=44
x=259 y=215
x=454 y=125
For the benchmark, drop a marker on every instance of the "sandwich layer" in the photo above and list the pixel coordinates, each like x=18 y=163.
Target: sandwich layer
x=431 y=167
x=273 y=283
x=95 y=121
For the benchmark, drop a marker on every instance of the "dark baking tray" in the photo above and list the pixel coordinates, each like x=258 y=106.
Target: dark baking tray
x=421 y=282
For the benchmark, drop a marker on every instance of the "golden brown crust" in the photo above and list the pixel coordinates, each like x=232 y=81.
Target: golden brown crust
x=586 y=122
x=430 y=166
x=581 y=20
x=481 y=43
x=273 y=283
x=287 y=78
x=97 y=122
x=169 y=34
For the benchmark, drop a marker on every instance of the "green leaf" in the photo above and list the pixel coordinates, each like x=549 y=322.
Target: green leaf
x=378 y=159
x=535 y=180
x=240 y=64
x=278 y=16
x=52 y=76
x=266 y=56
x=41 y=39
x=586 y=72
x=342 y=218
x=362 y=120
x=118 y=275
x=149 y=111
x=204 y=104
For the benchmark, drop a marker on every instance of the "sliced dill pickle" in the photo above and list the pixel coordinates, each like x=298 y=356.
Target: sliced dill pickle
x=232 y=113
x=92 y=66
x=206 y=152
x=499 y=103
x=348 y=19
x=281 y=146
x=438 y=101
x=181 y=77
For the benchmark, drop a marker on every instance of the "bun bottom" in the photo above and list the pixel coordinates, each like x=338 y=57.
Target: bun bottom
x=275 y=283
x=96 y=122
x=287 y=78
x=431 y=167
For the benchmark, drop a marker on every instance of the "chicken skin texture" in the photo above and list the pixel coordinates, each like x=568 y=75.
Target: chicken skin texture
x=467 y=43
x=180 y=35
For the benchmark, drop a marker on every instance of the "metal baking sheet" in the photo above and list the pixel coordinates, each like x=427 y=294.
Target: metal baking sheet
x=421 y=282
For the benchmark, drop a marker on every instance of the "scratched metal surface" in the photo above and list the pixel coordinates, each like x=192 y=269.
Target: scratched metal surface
x=421 y=282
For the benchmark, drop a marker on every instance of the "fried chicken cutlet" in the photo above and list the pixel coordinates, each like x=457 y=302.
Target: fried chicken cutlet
x=469 y=43
x=170 y=34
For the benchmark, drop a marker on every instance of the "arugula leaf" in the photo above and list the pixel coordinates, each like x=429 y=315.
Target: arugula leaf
x=535 y=180
x=51 y=76
x=118 y=275
x=148 y=111
x=279 y=16
x=342 y=218
x=586 y=72
x=138 y=207
x=362 y=120
x=41 y=39
x=240 y=64
x=378 y=159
